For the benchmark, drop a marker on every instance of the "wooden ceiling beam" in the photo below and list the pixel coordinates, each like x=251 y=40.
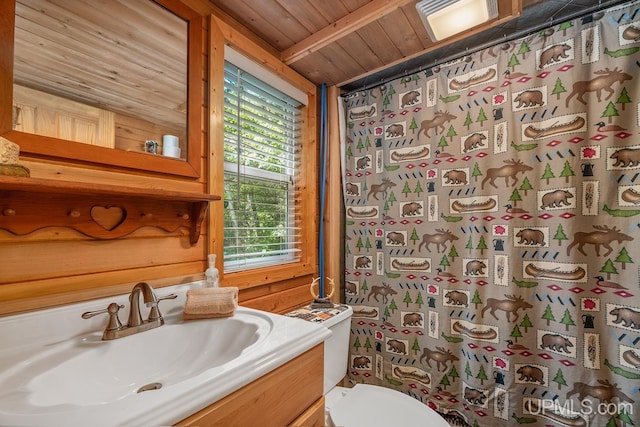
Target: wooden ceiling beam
x=357 y=19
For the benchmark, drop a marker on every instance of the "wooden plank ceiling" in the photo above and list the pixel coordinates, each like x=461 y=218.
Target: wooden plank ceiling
x=356 y=42
x=334 y=41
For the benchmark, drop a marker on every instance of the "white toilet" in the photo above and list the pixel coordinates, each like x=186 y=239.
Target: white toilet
x=365 y=405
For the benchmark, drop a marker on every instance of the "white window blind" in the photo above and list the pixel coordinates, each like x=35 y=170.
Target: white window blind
x=261 y=146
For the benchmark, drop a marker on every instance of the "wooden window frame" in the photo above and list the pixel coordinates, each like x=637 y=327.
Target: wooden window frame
x=222 y=34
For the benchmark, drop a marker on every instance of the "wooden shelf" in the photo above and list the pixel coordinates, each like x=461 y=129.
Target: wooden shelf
x=99 y=211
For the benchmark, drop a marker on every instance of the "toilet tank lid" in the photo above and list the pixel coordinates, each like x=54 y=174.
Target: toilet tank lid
x=327 y=316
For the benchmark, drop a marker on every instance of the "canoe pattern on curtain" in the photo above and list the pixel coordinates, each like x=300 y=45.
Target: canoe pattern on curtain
x=492 y=237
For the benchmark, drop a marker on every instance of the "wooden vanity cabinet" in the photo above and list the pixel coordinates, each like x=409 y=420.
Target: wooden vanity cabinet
x=290 y=395
x=313 y=416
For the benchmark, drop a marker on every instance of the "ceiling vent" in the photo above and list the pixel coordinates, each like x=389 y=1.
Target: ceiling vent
x=445 y=18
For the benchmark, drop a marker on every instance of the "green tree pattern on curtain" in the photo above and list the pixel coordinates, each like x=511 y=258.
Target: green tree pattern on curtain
x=527 y=156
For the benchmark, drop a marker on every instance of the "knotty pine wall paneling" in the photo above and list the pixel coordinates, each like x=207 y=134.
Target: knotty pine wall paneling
x=55 y=266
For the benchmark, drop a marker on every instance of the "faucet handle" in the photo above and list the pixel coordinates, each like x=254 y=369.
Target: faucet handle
x=154 y=312
x=170 y=296
x=112 y=309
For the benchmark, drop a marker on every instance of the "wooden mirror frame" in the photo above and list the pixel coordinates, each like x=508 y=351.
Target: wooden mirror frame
x=42 y=146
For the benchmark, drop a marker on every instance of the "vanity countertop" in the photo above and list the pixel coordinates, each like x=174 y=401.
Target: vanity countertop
x=58 y=371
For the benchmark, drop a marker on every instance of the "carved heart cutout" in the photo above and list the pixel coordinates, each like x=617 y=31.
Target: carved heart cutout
x=108 y=217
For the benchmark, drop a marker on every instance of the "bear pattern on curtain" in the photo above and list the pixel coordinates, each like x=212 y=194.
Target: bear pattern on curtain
x=492 y=229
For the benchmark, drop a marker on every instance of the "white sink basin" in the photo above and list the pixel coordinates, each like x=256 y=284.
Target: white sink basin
x=89 y=371
x=182 y=366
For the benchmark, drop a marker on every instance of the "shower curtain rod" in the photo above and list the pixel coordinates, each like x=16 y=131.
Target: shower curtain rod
x=529 y=31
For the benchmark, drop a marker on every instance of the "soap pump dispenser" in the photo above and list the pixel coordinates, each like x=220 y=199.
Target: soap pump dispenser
x=212 y=277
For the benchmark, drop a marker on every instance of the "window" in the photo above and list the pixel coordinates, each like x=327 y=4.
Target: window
x=261 y=146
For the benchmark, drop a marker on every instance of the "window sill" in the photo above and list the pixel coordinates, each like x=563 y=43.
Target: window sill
x=267 y=275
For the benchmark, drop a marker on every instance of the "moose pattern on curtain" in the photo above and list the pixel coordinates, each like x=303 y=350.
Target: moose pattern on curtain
x=492 y=229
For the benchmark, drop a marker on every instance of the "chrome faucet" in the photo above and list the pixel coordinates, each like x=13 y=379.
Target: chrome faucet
x=115 y=329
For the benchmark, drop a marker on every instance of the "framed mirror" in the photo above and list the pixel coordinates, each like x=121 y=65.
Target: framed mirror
x=117 y=83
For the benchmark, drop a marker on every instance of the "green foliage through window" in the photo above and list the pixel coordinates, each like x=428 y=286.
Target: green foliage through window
x=261 y=143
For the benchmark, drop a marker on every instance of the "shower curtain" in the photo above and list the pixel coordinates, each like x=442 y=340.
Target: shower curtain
x=492 y=229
